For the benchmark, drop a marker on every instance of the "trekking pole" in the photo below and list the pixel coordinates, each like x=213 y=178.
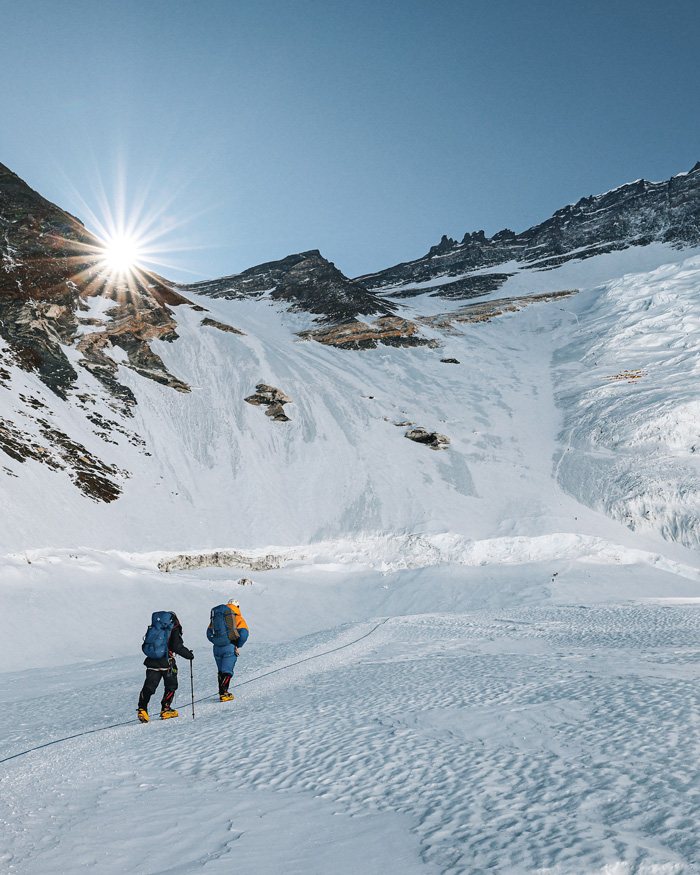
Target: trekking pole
x=192 y=688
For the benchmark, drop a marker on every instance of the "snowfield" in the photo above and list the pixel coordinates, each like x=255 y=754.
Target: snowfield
x=539 y=718
x=478 y=659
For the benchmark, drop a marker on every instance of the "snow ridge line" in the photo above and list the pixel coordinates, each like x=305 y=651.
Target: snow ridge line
x=389 y=553
x=204 y=698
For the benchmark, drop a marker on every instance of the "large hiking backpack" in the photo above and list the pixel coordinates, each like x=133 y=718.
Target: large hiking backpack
x=155 y=641
x=223 y=626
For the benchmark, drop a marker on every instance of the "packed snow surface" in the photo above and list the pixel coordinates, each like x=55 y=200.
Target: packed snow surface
x=515 y=718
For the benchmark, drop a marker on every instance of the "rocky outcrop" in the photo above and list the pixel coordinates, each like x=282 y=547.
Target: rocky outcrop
x=130 y=329
x=221 y=326
x=222 y=559
x=306 y=282
x=484 y=311
x=467 y=287
x=635 y=214
x=432 y=439
x=59 y=452
x=51 y=268
x=388 y=330
x=57 y=293
x=272 y=398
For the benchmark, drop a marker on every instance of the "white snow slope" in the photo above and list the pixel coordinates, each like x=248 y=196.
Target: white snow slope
x=476 y=659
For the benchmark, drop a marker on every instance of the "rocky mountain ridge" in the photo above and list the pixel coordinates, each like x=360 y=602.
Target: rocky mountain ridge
x=306 y=282
x=75 y=342
x=62 y=310
x=635 y=214
x=51 y=271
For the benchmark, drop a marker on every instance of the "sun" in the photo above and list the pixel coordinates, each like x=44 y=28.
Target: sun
x=121 y=254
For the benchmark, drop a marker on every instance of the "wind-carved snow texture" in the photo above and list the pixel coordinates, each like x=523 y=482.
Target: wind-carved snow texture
x=557 y=739
x=632 y=419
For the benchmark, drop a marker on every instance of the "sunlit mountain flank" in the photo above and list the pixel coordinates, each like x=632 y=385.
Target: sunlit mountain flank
x=458 y=500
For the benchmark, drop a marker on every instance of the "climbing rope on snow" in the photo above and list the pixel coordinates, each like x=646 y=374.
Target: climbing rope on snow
x=204 y=698
x=298 y=662
x=67 y=738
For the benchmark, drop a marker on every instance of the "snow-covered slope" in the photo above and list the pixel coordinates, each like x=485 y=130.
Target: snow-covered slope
x=475 y=657
x=205 y=469
x=147 y=442
x=632 y=415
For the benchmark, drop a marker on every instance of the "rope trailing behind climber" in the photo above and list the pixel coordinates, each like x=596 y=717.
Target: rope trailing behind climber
x=252 y=680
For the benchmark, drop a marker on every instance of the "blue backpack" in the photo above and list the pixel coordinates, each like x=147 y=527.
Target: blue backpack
x=223 y=626
x=155 y=641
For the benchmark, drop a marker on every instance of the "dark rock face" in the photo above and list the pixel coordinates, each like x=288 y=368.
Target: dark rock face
x=50 y=267
x=51 y=271
x=466 y=287
x=58 y=451
x=633 y=215
x=306 y=282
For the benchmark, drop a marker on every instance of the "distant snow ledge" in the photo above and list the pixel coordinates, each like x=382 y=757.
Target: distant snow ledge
x=221 y=559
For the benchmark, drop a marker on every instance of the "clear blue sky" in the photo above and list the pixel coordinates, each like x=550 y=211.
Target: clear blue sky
x=251 y=129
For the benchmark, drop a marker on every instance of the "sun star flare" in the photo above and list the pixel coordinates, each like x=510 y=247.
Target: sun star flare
x=121 y=254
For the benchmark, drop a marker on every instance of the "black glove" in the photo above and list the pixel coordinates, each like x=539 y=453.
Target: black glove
x=190 y=655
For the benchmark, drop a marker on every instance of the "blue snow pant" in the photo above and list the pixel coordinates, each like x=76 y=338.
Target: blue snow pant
x=225 y=657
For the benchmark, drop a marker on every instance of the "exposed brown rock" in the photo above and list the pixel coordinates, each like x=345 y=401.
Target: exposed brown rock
x=389 y=330
x=276 y=411
x=91 y=475
x=484 y=311
x=221 y=325
x=50 y=266
x=131 y=330
x=273 y=399
x=20 y=446
x=4 y=376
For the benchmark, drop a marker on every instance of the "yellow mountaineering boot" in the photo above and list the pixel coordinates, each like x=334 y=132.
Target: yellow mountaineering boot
x=226 y=697
x=168 y=712
x=142 y=715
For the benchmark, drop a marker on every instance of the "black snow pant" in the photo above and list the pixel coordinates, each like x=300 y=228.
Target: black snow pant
x=224 y=681
x=153 y=676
